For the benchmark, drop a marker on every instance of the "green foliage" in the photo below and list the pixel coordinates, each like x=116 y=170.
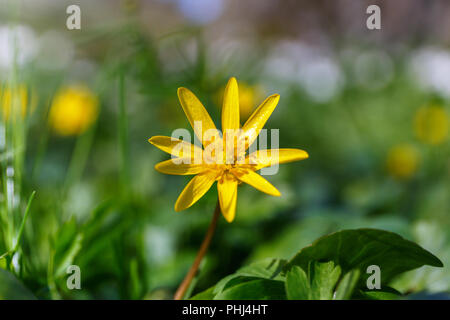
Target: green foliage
x=205 y=295
x=298 y=286
x=321 y=282
x=358 y=249
x=333 y=267
x=346 y=286
x=67 y=244
x=382 y=294
x=13 y=289
x=323 y=278
x=260 y=289
x=268 y=269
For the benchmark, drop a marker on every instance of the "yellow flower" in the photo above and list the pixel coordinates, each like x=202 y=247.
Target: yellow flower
x=248 y=95
x=73 y=110
x=431 y=124
x=14 y=99
x=228 y=174
x=402 y=161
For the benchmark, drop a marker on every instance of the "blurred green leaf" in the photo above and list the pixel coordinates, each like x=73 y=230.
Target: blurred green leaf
x=268 y=269
x=67 y=245
x=265 y=269
x=22 y=225
x=261 y=289
x=208 y=294
x=13 y=289
x=69 y=255
x=386 y=293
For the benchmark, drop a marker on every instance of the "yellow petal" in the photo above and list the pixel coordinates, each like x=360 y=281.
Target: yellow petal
x=270 y=157
x=177 y=167
x=176 y=147
x=195 y=189
x=258 y=119
x=227 y=189
x=230 y=109
x=196 y=113
x=256 y=181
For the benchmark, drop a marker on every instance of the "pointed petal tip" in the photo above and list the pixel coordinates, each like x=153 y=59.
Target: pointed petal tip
x=276 y=193
x=156 y=167
x=228 y=219
x=178 y=207
x=305 y=155
x=275 y=96
x=301 y=154
x=157 y=139
x=276 y=99
x=181 y=90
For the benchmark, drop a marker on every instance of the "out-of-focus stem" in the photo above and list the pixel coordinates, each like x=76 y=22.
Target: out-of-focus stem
x=123 y=134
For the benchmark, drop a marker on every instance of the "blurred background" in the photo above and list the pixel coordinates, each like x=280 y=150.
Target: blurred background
x=371 y=107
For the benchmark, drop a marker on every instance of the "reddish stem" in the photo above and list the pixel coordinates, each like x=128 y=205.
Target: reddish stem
x=179 y=294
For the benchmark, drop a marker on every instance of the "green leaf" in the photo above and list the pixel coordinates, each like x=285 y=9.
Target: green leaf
x=208 y=294
x=13 y=289
x=383 y=294
x=324 y=277
x=315 y=272
x=67 y=245
x=265 y=269
x=22 y=225
x=360 y=248
x=346 y=286
x=261 y=289
x=321 y=282
x=297 y=284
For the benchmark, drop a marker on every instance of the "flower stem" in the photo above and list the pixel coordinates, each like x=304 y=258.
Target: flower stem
x=179 y=294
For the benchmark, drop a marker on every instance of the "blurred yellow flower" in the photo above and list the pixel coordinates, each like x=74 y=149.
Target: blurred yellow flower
x=73 y=110
x=431 y=124
x=248 y=96
x=16 y=98
x=228 y=174
x=402 y=161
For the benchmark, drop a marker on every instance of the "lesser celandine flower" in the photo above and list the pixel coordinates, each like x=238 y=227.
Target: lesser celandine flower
x=73 y=110
x=222 y=158
x=233 y=167
x=248 y=96
x=431 y=124
x=402 y=161
x=14 y=100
